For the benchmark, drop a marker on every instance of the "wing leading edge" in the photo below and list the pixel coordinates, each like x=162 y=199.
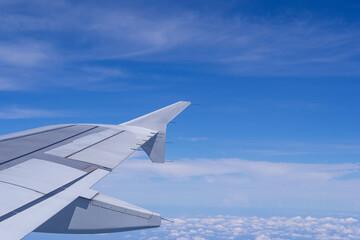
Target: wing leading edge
x=46 y=186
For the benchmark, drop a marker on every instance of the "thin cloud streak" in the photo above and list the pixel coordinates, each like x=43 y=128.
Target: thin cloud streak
x=193 y=139
x=22 y=113
x=10 y=85
x=261 y=169
x=27 y=54
x=288 y=148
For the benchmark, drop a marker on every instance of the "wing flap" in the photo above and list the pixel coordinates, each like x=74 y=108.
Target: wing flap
x=40 y=175
x=31 y=180
x=26 y=221
x=13 y=197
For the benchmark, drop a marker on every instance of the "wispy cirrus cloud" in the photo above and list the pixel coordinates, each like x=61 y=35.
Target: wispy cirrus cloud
x=73 y=35
x=193 y=139
x=21 y=113
x=293 y=148
x=10 y=85
x=27 y=54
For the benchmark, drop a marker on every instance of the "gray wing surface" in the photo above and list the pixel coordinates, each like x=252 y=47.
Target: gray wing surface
x=46 y=175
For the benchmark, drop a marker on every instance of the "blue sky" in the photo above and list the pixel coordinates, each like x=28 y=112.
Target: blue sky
x=276 y=133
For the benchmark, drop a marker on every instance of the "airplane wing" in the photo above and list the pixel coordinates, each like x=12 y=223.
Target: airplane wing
x=46 y=175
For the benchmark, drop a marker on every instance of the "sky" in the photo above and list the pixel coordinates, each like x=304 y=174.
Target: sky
x=269 y=150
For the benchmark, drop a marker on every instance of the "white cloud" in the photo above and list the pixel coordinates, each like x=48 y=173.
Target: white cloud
x=102 y=72
x=237 y=183
x=23 y=53
x=288 y=148
x=242 y=44
x=19 y=113
x=212 y=167
x=193 y=139
x=72 y=35
x=10 y=85
x=236 y=227
x=249 y=228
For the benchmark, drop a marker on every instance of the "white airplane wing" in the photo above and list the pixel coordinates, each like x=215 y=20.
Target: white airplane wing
x=46 y=175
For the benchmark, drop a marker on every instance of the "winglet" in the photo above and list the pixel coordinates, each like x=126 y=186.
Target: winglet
x=158 y=120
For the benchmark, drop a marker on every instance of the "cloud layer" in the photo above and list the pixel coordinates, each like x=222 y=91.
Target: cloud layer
x=234 y=227
x=237 y=183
